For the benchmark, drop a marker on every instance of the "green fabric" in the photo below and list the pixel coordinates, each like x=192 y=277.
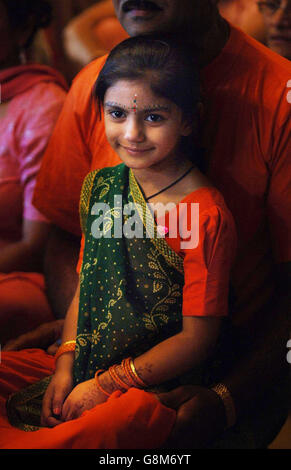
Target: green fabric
x=24 y=407
x=130 y=288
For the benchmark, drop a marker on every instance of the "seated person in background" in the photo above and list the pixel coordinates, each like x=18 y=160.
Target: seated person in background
x=277 y=19
x=31 y=99
x=245 y=15
x=63 y=12
x=93 y=33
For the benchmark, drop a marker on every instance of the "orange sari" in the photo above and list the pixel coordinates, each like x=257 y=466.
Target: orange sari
x=133 y=420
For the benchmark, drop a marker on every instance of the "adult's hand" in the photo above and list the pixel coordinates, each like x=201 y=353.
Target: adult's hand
x=42 y=337
x=200 y=417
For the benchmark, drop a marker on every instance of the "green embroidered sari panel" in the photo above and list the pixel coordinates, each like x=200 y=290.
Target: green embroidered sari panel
x=131 y=282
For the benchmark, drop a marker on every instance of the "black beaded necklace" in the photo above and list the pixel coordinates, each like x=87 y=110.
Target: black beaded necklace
x=170 y=185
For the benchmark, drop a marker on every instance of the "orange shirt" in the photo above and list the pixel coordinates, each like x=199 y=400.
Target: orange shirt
x=247 y=133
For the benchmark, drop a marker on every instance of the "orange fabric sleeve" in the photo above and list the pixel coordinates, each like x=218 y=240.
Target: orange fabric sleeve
x=279 y=197
x=207 y=267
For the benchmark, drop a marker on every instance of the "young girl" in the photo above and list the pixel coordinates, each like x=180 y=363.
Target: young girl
x=144 y=298
x=158 y=242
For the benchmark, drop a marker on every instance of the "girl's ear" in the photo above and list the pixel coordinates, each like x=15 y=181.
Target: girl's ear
x=189 y=127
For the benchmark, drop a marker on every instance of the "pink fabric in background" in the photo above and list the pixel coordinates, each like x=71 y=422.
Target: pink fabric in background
x=24 y=134
x=25 y=129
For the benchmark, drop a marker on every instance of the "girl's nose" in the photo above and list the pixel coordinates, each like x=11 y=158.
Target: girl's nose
x=134 y=131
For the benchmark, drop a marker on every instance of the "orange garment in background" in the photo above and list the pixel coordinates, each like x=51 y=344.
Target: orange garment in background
x=247 y=134
x=23 y=304
x=133 y=420
x=109 y=32
x=33 y=96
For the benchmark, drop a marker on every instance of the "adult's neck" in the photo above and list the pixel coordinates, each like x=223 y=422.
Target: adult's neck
x=210 y=45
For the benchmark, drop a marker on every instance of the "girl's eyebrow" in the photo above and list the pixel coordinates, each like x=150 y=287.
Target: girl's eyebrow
x=112 y=104
x=148 y=109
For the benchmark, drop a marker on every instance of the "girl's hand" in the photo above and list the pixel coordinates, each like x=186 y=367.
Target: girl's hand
x=59 y=388
x=84 y=397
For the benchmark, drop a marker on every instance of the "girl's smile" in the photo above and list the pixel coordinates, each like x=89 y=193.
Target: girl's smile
x=144 y=129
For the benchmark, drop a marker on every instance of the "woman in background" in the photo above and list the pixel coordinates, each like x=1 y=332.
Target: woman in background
x=32 y=96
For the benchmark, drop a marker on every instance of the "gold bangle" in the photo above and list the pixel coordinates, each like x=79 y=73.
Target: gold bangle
x=139 y=381
x=68 y=346
x=228 y=403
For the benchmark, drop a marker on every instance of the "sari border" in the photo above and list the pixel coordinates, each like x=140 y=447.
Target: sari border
x=85 y=197
x=145 y=214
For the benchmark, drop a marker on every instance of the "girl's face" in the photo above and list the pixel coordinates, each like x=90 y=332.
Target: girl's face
x=144 y=129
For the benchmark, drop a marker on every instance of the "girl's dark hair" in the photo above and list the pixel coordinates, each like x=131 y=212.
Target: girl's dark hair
x=167 y=66
x=26 y=13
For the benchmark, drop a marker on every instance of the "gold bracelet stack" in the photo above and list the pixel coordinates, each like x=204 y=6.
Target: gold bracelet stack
x=228 y=403
x=65 y=347
x=123 y=377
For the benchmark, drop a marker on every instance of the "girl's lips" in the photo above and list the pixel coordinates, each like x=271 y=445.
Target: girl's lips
x=142 y=13
x=135 y=150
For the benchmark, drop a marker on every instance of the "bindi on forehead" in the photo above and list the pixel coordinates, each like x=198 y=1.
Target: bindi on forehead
x=134 y=104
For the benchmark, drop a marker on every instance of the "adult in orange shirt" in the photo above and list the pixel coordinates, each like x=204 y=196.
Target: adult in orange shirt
x=246 y=133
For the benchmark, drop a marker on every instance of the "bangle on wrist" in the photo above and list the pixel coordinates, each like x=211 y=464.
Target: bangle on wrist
x=222 y=391
x=100 y=371
x=117 y=380
x=68 y=346
x=130 y=371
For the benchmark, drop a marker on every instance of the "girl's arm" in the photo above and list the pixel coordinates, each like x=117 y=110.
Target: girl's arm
x=66 y=360
x=176 y=355
x=167 y=360
x=62 y=382
x=179 y=353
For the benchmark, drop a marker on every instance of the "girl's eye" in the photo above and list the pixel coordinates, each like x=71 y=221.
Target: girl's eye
x=117 y=114
x=154 y=118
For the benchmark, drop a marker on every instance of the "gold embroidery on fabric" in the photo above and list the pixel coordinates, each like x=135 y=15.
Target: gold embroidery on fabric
x=85 y=198
x=160 y=309
x=24 y=407
x=106 y=182
x=170 y=255
x=95 y=337
x=109 y=217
